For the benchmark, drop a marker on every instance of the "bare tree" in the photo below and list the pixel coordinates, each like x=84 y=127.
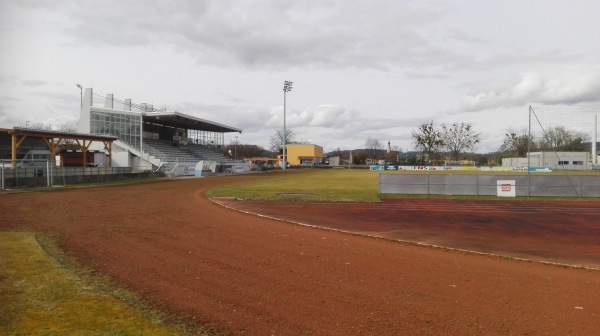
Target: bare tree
x=40 y=125
x=428 y=140
x=243 y=151
x=276 y=140
x=67 y=127
x=516 y=142
x=373 y=146
x=560 y=138
x=458 y=138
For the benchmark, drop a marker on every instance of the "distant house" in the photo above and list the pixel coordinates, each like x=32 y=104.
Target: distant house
x=340 y=159
x=411 y=157
x=334 y=160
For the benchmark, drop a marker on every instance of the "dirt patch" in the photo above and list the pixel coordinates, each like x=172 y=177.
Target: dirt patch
x=249 y=275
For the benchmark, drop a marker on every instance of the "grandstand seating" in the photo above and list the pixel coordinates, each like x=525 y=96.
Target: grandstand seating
x=169 y=152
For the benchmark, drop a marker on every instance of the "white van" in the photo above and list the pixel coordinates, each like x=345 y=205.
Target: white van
x=35 y=158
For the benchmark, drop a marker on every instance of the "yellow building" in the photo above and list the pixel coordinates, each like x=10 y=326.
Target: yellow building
x=307 y=155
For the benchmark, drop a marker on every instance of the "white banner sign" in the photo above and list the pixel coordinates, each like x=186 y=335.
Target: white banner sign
x=506 y=188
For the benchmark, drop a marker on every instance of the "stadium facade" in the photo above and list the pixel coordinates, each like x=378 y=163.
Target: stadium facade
x=153 y=139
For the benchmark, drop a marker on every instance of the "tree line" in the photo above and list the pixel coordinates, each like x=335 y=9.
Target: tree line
x=556 y=138
x=457 y=141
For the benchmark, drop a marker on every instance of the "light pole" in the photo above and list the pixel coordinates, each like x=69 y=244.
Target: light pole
x=287 y=87
x=80 y=96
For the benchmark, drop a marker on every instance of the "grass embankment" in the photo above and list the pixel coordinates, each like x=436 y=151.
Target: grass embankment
x=39 y=296
x=337 y=185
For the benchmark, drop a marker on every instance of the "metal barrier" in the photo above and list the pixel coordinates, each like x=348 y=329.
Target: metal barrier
x=487 y=184
x=49 y=175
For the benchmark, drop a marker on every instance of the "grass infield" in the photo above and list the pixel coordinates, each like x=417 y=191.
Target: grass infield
x=310 y=184
x=337 y=185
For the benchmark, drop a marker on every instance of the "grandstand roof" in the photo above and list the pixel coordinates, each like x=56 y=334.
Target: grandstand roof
x=36 y=133
x=181 y=120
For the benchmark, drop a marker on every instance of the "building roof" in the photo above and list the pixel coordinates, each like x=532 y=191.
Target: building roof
x=150 y=114
x=185 y=121
x=301 y=144
x=23 y=131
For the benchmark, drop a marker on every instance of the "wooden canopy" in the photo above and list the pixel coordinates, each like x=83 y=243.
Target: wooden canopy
x=54 y=139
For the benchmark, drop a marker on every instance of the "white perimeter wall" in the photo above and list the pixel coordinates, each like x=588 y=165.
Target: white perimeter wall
x=550 y=159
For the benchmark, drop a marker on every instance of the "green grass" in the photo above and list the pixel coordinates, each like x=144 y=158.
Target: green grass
x=40 y=296
x=323 y=184
x=342 y=185
x=334 y=185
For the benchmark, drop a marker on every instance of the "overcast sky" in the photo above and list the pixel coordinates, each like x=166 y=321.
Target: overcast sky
x=360 y=68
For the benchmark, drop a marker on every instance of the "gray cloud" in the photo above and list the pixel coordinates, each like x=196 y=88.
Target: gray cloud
x=7 y=119
x=269 y=34
x=573 y=85
x=278 y=35
x=33 y=82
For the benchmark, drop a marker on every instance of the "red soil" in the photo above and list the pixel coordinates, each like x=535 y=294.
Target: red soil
x=258 y=276
x=554 y=232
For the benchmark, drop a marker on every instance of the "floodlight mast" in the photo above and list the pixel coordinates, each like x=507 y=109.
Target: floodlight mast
x=80 y=95
x=287 y=87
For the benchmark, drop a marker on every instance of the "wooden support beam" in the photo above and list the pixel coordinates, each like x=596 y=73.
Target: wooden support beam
x=84 y=150
x=13 y=151
x=108 y=147
x=14 y=146
x=52 y=146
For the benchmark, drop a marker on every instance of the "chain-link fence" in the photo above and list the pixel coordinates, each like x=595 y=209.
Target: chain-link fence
x=563 y=138
x=490 y=184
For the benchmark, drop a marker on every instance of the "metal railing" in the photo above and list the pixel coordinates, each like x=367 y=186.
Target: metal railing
x=47 y=174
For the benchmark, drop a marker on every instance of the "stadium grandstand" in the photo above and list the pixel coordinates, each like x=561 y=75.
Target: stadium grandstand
x=156 y=139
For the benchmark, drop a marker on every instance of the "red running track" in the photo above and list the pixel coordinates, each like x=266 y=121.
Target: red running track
x=558 y=232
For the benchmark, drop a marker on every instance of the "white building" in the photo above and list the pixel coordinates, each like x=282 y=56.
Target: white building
x=553 y=160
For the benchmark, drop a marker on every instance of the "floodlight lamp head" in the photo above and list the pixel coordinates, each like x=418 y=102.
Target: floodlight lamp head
x=79 y=86
x=287 y=86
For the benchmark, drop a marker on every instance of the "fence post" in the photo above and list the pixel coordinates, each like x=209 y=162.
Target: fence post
x=48 y=174
x=529 y=155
